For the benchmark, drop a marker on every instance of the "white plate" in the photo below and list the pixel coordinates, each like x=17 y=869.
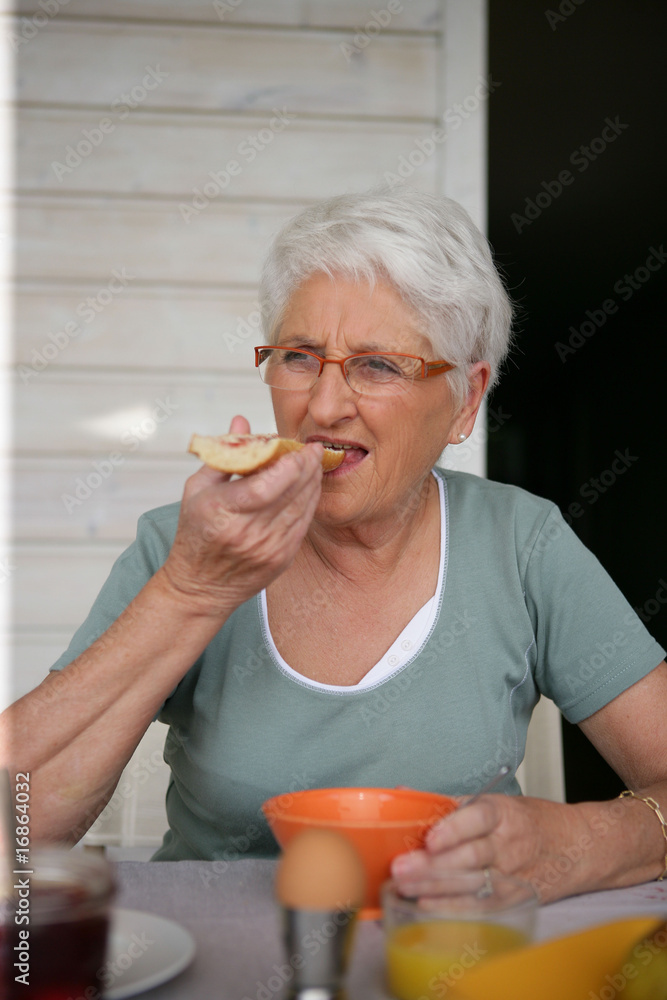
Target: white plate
x=144 y=951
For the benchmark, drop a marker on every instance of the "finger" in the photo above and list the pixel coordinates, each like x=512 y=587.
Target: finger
x=203 y=478
x=292 y=509
x=463 y=825
x=303 y=515
x=459 y=888
x=292 y=514
x=239 y=425
x=279 y=482
x=471 y=856
x=419 y=873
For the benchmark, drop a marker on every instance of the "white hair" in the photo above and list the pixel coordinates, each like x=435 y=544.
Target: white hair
x=426 y=246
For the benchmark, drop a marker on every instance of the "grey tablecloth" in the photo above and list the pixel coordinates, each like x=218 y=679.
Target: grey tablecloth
x=234 y=920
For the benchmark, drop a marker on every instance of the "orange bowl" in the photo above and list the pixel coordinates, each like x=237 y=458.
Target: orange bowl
x=380 y=822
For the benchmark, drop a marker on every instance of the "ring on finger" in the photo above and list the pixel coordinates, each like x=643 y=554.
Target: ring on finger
x=487 y=888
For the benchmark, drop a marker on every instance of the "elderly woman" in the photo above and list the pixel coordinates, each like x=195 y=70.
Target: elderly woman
x=384 y=623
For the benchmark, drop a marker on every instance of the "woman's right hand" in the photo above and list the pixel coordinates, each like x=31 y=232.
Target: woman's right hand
x=234 y=538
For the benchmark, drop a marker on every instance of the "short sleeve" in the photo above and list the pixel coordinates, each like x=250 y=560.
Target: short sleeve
x=131 y=571
x=591 y=644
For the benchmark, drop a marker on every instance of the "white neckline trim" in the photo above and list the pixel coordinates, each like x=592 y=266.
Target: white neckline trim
x=408 y=644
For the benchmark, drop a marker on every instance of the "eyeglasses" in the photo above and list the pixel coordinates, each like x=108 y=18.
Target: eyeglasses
x=370 y=374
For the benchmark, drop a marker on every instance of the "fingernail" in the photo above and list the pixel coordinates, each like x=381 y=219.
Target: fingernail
x=402 y=866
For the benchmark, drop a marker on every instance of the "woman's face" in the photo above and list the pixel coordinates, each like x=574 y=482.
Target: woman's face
x=397 y=438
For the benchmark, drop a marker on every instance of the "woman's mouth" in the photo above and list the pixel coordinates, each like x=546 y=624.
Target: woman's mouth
x=354 y=453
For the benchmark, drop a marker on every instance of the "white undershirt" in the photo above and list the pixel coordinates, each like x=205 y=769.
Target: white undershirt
x=404 y=648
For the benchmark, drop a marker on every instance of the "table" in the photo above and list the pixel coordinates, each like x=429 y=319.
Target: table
x=230 y=911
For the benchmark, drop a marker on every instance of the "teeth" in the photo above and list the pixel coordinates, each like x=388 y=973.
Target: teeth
x=337 y=447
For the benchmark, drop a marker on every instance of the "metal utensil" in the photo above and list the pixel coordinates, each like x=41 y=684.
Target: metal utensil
x=488 y=787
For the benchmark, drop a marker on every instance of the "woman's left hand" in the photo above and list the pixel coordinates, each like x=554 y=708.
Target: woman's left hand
x=534 y=839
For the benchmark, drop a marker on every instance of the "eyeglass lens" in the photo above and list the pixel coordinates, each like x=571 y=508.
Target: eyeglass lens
x=374 y=373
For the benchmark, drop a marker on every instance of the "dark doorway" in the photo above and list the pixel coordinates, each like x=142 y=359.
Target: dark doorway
x=577 y=178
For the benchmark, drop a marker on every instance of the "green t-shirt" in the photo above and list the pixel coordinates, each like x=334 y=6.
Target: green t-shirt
x=523 y=609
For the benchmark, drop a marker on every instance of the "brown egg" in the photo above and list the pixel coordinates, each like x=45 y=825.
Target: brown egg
x=320 y=870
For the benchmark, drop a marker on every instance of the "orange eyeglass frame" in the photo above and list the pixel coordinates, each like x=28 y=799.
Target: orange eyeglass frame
x=429 y=368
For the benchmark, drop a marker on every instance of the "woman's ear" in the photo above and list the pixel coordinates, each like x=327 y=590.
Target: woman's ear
x=478 y=381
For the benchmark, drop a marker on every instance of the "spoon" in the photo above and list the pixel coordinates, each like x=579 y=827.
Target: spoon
x=485 y=789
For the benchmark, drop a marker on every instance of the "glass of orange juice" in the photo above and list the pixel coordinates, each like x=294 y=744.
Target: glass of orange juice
x=434 y=945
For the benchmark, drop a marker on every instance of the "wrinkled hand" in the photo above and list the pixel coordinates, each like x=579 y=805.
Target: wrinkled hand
x=234 y=538
x=526 y=837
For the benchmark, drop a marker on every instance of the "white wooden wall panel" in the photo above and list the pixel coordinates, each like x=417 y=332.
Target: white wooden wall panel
x=125 y=413
x=94 y=414
x=416 y=15
x=228 y=69
x=55 y=584
x=142 y=328
x=112 y=509
x=173 y=154
x=90 y=238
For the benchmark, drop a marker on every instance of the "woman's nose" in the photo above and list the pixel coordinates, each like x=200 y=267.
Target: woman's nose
x=331 y=398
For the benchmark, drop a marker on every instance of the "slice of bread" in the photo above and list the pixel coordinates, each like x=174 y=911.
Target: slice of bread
x=240 y=454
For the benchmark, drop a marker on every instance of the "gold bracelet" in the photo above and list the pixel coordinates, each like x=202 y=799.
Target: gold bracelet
x=652 y=804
